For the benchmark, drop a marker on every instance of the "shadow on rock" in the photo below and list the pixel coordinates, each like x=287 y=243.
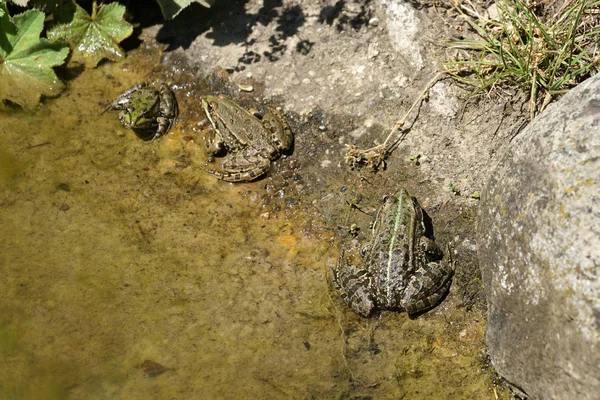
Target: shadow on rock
x=193 y=21
x=231 y=23
x=340 y=15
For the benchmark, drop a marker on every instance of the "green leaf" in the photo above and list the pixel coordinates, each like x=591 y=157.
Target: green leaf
x=3 y=12
x=26 y=61
x=170 y=8
x=96 y=37
x=453 y=188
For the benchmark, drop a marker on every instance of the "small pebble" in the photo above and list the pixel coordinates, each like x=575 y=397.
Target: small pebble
x=374 y=21
x=322 y=128
x=246 y=88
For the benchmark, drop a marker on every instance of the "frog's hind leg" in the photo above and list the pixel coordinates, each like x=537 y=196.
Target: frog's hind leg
x=427 y=287
x=164 y=124
x=355 y=286
x=280 y=132
x=241 y=168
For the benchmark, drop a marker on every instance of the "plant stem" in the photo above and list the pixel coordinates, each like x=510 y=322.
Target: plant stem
x=532 y=97
x=401 y=122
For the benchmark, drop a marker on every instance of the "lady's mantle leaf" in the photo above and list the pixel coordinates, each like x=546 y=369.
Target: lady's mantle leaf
x=3 y=12
x=170 y=8
x=96 y=37
x=26 y=61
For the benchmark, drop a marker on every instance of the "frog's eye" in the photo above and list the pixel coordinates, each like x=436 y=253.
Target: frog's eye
x=390 y=199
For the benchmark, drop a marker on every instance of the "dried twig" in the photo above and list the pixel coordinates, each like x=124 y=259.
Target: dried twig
x=375 y=156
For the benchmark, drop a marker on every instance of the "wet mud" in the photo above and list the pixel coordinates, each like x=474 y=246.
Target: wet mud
x=130 y=273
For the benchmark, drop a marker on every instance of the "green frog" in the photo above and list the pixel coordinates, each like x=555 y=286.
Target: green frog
x=247 y=143
x=147 y=111
x=399 y=267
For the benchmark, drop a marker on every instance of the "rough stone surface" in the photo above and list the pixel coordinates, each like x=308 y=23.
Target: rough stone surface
x=403 y=29
x=353 y=61
x=539 y=252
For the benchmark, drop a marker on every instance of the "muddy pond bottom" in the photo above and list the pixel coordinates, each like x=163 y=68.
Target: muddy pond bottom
x=129 y=273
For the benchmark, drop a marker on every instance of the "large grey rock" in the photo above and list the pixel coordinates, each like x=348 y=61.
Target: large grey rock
x=539 y=252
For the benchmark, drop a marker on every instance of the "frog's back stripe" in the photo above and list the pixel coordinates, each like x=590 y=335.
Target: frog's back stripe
x=398 y=222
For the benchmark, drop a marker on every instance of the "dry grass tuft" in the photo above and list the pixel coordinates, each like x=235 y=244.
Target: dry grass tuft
x=542 y=54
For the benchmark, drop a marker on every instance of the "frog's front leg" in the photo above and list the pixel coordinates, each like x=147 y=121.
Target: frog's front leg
x=212 y=140
x=427 y=287
x=430 y=248
x=355 y=285
x=241 y=167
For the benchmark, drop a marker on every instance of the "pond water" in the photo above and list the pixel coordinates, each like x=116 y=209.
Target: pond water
x=130 y=273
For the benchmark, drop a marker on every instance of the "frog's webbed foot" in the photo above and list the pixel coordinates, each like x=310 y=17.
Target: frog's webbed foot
x=108 y=107
x=427 y=287
x=164 y=124
x=241 y=167
x=355 y=286
x=113 y=105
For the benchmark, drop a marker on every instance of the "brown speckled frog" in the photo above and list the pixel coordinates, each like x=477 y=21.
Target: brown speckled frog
x=248 y=143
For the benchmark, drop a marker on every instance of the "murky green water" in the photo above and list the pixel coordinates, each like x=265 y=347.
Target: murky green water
x=116 y=253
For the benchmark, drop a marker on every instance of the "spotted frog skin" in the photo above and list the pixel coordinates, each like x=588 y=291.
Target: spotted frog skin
x=148 y=111
x=399 y=268
x=246 y=143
